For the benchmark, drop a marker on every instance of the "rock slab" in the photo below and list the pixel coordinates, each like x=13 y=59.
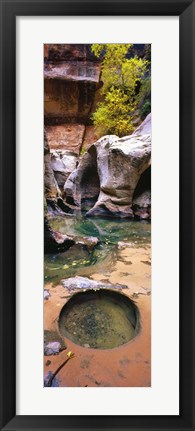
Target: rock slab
x=84 y=283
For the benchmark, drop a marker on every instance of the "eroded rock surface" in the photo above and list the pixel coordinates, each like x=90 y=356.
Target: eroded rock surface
x=71 y=91
x=109 y=173
x=75 y=283
x=65 y=137
x=46 y=294
x=52 y=348
x=63 y=163
x=56 y=169
x=52 y=191
x=71 y=74
x=84 y=182
x=53 y=343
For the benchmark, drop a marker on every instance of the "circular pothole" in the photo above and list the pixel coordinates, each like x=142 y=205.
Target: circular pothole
x=101 y=319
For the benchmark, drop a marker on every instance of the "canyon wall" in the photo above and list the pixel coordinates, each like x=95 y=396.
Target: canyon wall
x=96 y=182
x=71 y=92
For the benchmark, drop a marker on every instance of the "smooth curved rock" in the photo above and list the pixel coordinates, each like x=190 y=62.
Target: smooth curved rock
x=109 y=173
x=63 y=163
x=52 y=192
x=144 y=128
x=84 y=181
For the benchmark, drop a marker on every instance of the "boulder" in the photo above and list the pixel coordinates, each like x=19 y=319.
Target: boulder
x=52 y=348
x=46 y=294
x=63 y=163
x=84 y=283
x=110 y=172
x=53 y=343
x=55 y=241
x=52 y=193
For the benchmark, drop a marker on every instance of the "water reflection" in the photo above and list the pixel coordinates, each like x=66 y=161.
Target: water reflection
x=78 y=260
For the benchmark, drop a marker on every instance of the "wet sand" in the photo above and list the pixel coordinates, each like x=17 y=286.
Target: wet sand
x=128 y=365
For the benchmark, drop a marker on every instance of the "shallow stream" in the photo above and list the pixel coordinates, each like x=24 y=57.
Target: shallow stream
x=78 y=260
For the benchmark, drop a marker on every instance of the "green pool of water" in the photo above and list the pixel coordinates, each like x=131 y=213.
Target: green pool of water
x=99 y=320
x=79 y=261
x=110 y=230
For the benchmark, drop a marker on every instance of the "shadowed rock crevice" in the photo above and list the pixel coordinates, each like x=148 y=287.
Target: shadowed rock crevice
x=142 y=196
x=90 y=183
x=52 y=192
x=83 y=185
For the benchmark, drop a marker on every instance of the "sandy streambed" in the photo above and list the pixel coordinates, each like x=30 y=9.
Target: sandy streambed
x=126 y=365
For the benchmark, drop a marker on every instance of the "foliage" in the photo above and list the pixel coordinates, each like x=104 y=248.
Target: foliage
x=113 y=115
x=144 y=98
x=82 y=151
x=121 y=78
x=145 y=109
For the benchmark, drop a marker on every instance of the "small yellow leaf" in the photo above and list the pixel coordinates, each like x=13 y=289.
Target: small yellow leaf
x=70 y=355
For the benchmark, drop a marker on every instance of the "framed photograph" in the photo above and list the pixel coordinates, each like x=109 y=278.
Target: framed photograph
x=97 y=215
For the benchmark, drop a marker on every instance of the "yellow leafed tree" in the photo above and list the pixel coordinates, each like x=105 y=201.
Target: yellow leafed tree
x=121 y=77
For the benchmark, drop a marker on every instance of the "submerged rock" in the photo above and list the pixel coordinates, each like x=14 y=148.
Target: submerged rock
x=55 y=241
x=110 y=172
x=85 y=283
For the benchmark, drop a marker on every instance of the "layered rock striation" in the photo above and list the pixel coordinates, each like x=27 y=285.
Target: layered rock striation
x=71 y=90
x=113 y=177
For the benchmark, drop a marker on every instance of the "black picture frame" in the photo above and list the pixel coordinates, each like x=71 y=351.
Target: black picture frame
x=185 y=9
